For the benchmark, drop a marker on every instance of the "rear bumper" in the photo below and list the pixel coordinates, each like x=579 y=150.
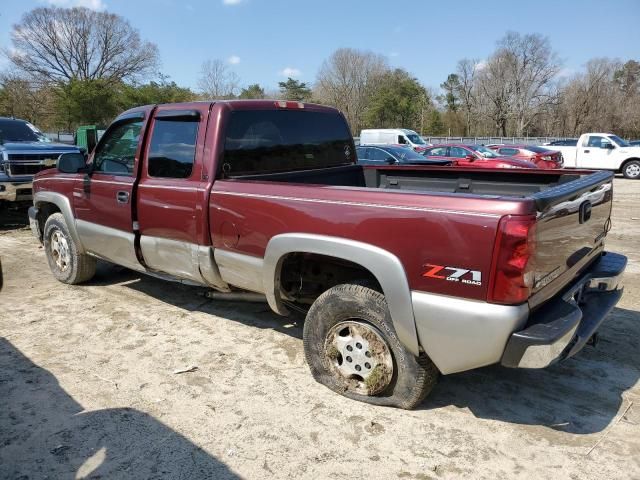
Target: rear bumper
x=563 y=326
x=16 y=190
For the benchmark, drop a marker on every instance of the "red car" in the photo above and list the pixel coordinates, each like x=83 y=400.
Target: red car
x=476 y=156
x=540 y=156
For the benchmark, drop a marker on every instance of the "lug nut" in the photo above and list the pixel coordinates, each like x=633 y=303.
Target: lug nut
x=358 y=367
x=368 y=365
x=349 y=347
x=358 y=345
x=349 y=359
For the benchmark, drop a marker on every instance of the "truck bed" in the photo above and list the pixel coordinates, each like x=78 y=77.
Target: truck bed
x=510 y=183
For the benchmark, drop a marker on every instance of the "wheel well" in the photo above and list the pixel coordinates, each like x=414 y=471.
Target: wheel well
x=45 y=210
x=627 y=161
x=305 y=276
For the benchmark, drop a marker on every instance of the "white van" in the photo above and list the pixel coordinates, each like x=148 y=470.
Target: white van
x=393 y=136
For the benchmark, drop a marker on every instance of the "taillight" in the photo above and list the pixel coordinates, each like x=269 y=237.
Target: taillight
x=511 y=273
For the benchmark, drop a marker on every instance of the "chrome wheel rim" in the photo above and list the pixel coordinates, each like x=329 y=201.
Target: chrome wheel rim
x=359 y=357
x=60 y=250
x=633 y=170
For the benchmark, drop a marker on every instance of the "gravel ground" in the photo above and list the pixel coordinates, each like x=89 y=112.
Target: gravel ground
x=88 y=390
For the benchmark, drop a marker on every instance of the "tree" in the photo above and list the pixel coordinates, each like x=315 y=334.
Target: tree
x=531 y=68
x=24 y=99
x=397 y=102
x=293 y=89
x=64 y=44
x=217 y=81
x=154 y=93
x=254 y=91
x=86 y=101
x=466 y=73
x=435 y=126
x=347 y=79
x=451 y=87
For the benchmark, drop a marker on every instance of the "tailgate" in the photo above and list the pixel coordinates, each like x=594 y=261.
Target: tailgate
x=572 y=222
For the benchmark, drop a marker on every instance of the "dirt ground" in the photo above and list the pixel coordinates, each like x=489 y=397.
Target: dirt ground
x=88 y=390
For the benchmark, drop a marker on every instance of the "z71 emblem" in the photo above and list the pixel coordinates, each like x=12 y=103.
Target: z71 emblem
x=453 y=274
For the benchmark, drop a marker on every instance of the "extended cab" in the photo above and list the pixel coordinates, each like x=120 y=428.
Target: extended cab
x=603 y=151
x=24 y=151
x=403 y=272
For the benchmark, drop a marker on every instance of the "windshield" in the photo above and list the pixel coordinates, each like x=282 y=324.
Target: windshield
x=415 y=139
x=406 y=154
x=619 y=141
x=20 y=131
x=484 y=151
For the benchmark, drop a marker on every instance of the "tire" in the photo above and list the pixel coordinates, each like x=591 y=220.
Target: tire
x=631 y=169
x=67 y=264
x=349 y=328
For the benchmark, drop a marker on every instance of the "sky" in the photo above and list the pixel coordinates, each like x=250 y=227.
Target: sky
x=264 y=41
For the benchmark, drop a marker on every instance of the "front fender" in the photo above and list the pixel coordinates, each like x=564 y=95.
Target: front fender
x=64 y=205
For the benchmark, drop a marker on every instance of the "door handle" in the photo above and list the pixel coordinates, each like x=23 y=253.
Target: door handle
x=122 y=197
x=586 y=151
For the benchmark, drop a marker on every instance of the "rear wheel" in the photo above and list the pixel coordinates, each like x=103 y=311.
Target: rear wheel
x=352 y=348
x=65 y=260
x=631 y=169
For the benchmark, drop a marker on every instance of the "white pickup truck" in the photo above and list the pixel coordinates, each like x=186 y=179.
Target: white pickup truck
x=603 y=151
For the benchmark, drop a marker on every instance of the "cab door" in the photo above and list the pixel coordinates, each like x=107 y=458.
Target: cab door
x=171 y=195
x=596 y=153
x=103 y=198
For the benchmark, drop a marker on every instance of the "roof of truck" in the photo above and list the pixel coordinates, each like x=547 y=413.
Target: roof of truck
x=238 y=105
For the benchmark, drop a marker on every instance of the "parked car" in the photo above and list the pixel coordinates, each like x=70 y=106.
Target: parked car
x=634 y=143
x=24 y=151
x=567 y=142
x=476 y=156
x=394 y=155
x=604 y=151
x=540 y=156
x=393 y=136
x=403 y=272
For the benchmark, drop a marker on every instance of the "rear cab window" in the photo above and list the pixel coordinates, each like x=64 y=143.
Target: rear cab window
x=172 y=148
x=272 y=141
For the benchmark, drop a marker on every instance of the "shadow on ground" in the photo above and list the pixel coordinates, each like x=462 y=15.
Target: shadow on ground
x=45 y=433
x=13 y=217
x=581 y=395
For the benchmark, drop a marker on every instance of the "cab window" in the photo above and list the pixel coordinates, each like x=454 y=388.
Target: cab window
x=508 y=151
x=378 y=155
x=116 y=152
x=596 y=141
x=457 y=152
x=173 y=147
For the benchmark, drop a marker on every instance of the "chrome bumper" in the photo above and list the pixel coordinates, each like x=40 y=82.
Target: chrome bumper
x=564 y=325
x=16 y=190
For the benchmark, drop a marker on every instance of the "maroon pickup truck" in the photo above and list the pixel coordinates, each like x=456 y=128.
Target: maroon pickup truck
x=403 y=272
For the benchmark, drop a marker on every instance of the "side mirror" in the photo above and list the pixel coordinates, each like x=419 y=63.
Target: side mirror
x=608 y=146
x=471 y=158
x=71 y=162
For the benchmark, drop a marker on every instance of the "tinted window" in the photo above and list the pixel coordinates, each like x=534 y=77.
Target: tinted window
x=361 y=152
x=538 y=149
x=437 y=152
x=172 y=148
x=19 y=131
x=457 y=152
x=508 y=151
x=401 y=139
x=116 y=152
x=267 y=141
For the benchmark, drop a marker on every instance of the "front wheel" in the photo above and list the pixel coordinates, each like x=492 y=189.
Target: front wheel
x=631 y=169
x=65 y=260
x=352 y=348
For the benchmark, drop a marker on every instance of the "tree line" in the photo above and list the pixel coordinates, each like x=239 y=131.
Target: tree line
x=73 y=66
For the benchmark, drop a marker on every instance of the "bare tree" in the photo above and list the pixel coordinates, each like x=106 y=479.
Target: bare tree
x=25 y=99
x=531 y=67
x=496 y=91
x=217 y=81
x=467 y=90
x=347 y=79
x=60 y=44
